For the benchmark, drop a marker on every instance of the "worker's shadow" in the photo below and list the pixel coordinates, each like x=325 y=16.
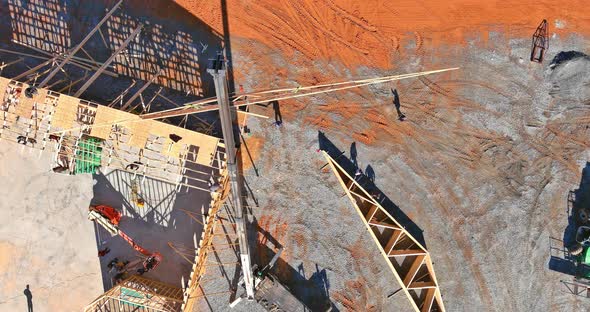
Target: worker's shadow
x=367 y=182
x=27 y=292
x=312 y=291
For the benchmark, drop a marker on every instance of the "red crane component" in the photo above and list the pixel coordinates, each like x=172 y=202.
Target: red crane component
x=110 y=213
x=114 y=217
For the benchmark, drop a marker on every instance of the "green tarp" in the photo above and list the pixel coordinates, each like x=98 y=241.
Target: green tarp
x=88 y=155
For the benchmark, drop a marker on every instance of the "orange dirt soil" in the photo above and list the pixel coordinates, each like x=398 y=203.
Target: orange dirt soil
x=349 y=35
x=366 y=32
x=376 y=34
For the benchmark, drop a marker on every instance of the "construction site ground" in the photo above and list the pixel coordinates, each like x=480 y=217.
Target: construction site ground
x=481 y=167
x=46 y=240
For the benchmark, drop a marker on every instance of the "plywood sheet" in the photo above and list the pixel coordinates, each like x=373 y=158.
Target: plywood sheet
x=3 y=86
x=65 y=112
x=25 y=106
x=65 y=116
x=140 y=133
x=104 y=119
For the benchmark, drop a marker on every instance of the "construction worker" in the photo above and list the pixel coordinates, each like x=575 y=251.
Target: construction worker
x=117 y=264
x=120 y=265
x=358 y=173
x=21 y=139
x=119 y=277
x=278 y=116
x=103 y=252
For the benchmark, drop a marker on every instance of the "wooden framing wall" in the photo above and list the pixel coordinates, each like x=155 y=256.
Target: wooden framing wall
x=196 y=156
x=408 y=260
x=138 y=293
x=191 y=293
x=49 y=114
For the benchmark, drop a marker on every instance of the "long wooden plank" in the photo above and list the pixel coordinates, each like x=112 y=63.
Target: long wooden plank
x=392 y=241
x=407 y=252
x=384 y=225
x=371 y=212
x=422 y=285
x=429 y=300
x=65 y=112
x=416 y=265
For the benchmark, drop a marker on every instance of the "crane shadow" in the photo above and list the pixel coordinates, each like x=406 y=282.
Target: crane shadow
x=313 y=292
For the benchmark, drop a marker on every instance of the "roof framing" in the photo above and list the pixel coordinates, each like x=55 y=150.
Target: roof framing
x=409 y=261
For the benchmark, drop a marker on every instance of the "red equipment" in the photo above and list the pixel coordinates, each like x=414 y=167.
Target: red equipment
x=110 y=213
x=114 y=217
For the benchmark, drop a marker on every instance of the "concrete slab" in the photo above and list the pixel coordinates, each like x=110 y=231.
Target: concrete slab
x=46 y=240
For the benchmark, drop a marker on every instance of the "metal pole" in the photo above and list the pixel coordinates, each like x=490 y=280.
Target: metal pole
x=108 y=62
x=75 y=50
x=227 y=125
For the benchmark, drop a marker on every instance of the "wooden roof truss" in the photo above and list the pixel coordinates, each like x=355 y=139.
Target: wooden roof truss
x=408 y=260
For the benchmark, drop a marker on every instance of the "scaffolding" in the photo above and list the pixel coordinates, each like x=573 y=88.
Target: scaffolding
x=88 y=156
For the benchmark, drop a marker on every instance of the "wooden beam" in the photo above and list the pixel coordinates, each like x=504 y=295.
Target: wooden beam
x=145 y=86
x=34 y=69
x=416 y=265
x=416 y=250
x=80 y=45
x=429 y=300
x=361 y=196
x=385 y=225
x=392 y=241
x=251 y=114
x=371 y=213
x=406 y=252
x=193 y=107
x=108 y=61
x=422 y=285
x=10 y=63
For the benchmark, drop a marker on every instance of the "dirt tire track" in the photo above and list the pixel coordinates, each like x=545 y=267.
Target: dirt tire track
x=362 y=23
